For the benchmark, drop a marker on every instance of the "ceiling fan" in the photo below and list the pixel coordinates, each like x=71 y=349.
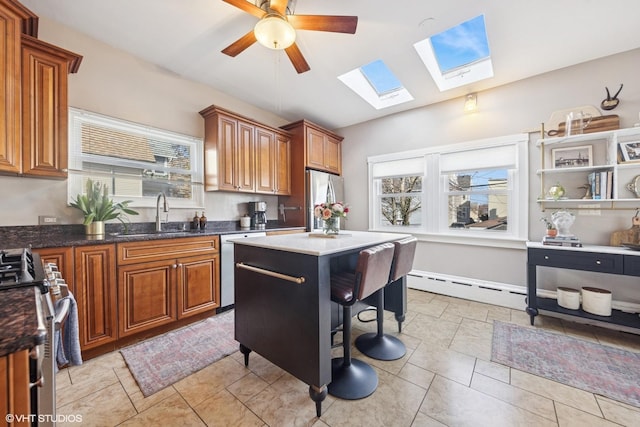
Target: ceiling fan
x=276 y=29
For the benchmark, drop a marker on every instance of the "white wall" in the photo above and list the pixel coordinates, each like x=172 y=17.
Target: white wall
x=514 y=108
x=117 y=84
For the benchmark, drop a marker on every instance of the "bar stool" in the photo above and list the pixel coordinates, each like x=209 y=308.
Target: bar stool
x=352 y=378
x=379 y=345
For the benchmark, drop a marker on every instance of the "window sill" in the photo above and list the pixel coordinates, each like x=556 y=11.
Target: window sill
x=507 y=242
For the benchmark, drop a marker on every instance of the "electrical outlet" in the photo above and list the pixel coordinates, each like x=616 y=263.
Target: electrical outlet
x=47 y=220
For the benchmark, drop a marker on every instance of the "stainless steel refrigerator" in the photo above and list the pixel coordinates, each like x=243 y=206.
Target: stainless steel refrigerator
x=319 y=184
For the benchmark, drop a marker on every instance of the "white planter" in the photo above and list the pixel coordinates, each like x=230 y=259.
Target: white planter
x=596 y=301
x=569 y=298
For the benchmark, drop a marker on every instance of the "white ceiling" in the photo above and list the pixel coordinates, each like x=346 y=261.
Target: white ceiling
x=186 y=36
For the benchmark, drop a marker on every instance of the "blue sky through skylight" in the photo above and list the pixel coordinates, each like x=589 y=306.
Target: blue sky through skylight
x=380 y=77
x=461 y=45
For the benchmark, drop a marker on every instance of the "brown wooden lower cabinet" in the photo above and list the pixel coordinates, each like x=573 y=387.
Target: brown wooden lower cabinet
x=178 y=278
x=127 y=288
x=146 y=296
x=95 y=293
x=14 y=387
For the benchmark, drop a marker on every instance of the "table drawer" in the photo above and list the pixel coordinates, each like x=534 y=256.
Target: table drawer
x=631 y=265
x=599 y=262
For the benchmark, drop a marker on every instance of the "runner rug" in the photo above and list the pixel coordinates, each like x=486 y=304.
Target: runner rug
x=163 y=360
x=596 y=368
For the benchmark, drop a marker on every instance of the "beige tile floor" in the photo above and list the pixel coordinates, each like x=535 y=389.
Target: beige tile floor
x=445 y=379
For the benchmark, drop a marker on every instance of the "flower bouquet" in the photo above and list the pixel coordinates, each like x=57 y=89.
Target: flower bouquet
x=330 y=213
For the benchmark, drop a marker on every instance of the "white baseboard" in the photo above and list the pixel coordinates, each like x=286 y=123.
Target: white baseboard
x=501 y=294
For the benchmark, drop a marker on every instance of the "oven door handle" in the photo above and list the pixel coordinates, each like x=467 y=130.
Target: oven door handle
x=61 y=313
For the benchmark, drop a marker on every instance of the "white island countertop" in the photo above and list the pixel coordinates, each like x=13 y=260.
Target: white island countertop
x=311 y=245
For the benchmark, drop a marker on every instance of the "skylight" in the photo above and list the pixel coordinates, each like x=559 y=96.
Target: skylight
x=377 y=85
x=457 y=56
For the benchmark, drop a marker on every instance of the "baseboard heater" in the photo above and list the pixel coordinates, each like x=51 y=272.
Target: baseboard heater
x=502 y=294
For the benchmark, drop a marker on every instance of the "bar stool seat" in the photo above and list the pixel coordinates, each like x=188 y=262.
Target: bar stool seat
x=352 y=378
x=379 y=345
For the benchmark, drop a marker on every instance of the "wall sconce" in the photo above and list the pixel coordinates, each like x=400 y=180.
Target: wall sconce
x=471 y=102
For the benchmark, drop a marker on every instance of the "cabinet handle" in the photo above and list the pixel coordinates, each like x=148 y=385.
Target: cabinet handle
x=546 y=257
x=180 y=265
x=598 y=262
x=298 y=280
x=174 y=266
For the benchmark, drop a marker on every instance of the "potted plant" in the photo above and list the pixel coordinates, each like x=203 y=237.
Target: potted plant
x=551 y=228
x=98 y=207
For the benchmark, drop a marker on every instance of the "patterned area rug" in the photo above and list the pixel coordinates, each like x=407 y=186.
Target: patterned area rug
x=596 y=368
x=163 y=360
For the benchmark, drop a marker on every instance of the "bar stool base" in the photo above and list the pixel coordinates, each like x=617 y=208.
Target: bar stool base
x=355 y=381
x=380 y=347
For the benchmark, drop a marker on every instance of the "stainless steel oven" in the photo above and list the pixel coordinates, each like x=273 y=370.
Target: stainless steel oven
x=21 y=268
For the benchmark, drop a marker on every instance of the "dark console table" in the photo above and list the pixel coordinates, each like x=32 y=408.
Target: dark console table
x=600 y=259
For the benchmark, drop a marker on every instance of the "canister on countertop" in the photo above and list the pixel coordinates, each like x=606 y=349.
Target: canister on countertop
x=195 y=223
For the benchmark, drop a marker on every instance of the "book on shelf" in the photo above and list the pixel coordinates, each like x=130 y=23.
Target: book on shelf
x=601 y=184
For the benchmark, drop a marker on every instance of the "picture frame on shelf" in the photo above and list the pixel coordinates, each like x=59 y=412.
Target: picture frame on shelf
x=629 y=151
x=572 y=157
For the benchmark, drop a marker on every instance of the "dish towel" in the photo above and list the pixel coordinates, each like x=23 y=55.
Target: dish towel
x=67 y=345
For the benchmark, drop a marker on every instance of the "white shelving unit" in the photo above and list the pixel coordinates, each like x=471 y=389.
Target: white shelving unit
x=606 y=156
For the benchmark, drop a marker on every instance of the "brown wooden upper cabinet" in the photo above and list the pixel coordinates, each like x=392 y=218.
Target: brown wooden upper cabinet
x=45 y=107
x=322 y=148
x=33 y=90
x=244 y=156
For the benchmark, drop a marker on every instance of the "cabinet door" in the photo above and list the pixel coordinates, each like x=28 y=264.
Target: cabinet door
x=283 y=165
x=10 y=147
x=265 y=161
x=44 y=109
x=226 y=146
x=63 y=258
x=333 y=155
x=245 y=153
x=146 y=296
x=315 y=148
x=95 y=285
x=14 y=385
x=198 y=285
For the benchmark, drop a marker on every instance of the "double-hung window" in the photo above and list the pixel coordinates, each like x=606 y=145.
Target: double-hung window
x=474 y=190
x=135 y=162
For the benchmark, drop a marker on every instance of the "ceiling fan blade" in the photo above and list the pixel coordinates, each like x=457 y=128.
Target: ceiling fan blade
x=279 y=6
x=241 y=44
x=334 y=24
x=298 y=61
x=247 y=7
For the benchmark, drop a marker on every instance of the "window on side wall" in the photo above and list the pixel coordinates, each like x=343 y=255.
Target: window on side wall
x=474 y=190
x=135 y=162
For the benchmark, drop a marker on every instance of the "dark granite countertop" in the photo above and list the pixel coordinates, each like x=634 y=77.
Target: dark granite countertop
x=51 y=236
x=18 y=320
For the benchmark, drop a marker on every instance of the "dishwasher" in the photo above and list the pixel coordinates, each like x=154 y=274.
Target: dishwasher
x=227 y=266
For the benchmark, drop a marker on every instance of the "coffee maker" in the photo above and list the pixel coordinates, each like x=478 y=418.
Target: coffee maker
x=258 y=215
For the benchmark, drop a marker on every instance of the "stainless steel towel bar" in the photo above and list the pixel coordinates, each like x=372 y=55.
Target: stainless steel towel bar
x=286 y=277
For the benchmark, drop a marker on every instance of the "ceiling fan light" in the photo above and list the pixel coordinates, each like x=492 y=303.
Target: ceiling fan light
x=275 y=32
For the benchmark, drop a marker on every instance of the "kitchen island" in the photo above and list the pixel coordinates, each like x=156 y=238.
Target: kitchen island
x=283 y=308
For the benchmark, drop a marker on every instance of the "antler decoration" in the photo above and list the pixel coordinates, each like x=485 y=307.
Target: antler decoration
x=611 y=103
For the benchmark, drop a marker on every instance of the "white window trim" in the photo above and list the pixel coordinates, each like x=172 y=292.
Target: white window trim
x=433 y=226
x=74 y=184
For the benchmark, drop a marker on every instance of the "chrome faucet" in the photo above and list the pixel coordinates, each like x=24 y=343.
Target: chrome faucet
x=165 y=209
